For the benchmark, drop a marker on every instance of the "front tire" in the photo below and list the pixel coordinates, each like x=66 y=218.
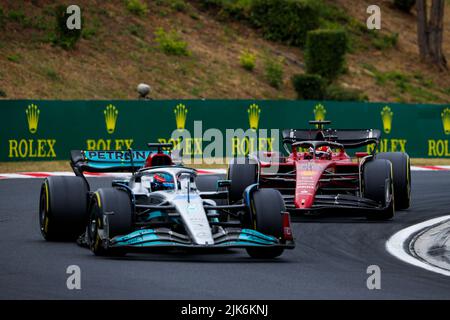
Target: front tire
x=402 y=177
x=63 y=208
x=378 y=186
x=266 y=208
x=110 y=215
x=242 y=173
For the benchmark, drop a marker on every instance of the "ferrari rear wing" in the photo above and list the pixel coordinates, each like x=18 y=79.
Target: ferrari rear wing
x=349 y=138
x=107 y=161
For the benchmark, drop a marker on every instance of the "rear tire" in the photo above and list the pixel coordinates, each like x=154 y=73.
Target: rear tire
x=266 y=210
x=377 y=182
x=242 y=173
x=63 y=208
x=402 y=177
x=115 y=204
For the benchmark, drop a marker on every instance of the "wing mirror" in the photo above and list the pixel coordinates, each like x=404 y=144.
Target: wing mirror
x=361 y=154
x=223 y=183
x=121 y=182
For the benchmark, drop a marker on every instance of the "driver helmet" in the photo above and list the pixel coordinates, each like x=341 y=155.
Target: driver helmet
x=162 y=181
x=324 y=152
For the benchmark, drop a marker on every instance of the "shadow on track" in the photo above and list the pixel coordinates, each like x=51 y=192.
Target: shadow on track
x=192 y=255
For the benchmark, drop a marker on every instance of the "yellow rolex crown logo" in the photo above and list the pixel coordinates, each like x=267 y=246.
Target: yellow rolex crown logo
x=446 y=120
x=32 y=117
x=319 y=112
x=386 y=117
x=253 y=116
x=111 y=114
x=180 y=116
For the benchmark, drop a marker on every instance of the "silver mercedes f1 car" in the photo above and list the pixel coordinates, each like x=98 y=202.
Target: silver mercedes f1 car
x=162 y=204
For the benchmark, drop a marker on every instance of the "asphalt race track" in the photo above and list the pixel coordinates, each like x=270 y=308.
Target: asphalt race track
x=330 y=260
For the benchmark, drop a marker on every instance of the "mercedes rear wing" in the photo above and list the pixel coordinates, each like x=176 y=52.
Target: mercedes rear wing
x=107 y=160
x=114 y=160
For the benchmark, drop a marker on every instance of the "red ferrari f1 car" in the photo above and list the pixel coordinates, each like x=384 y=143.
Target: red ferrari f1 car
x=318 y=175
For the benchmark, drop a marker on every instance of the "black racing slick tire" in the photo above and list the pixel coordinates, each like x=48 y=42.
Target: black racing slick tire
x=242 y=172
x=110 y=214
x=266 y=208
x=63 y=208
x=402 y=177
x=377 y=183
x=208 y=183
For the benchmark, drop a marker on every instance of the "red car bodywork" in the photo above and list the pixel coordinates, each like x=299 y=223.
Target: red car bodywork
x=311 y=175
x=310 y=182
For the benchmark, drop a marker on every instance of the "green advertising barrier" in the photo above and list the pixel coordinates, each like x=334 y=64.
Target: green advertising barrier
x=48 y=130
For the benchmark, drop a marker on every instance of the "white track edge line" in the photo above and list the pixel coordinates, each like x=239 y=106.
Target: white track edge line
x=31 y=175
x=396 y=245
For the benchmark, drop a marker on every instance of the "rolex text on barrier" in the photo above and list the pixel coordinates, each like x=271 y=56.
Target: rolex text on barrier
x=48 y=130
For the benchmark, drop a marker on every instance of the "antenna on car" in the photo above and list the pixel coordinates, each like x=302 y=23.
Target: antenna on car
x=160 y=146
x=319 y=123
x=188 y=192
x=130 y=151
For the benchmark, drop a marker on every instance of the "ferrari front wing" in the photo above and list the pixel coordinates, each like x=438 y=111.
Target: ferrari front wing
x=335 y=202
